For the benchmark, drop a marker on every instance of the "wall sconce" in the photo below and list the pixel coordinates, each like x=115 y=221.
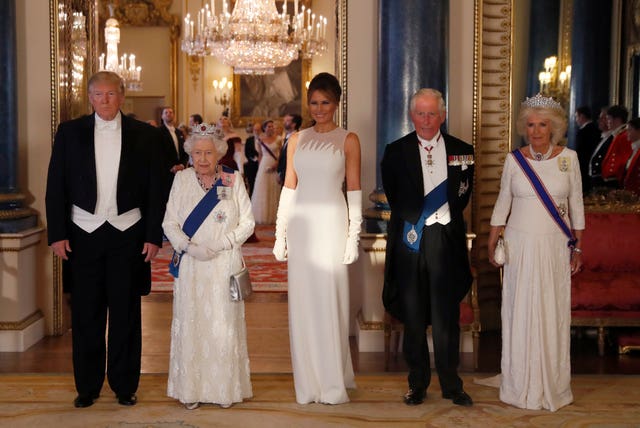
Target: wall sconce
x=555 y=83
x=222 y=92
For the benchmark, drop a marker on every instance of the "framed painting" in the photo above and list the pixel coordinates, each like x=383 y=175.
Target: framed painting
x=256 y=98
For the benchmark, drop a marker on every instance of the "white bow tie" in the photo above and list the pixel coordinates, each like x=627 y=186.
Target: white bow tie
x=110 y=125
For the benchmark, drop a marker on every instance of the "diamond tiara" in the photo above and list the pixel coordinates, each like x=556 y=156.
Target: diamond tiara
x=207 y=129
x=540 y=101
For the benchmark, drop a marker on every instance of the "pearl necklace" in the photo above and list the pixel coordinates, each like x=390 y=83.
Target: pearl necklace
x=539 y=156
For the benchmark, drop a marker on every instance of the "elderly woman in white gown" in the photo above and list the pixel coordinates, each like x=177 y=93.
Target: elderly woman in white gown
x=209 y=362
x=540 y=259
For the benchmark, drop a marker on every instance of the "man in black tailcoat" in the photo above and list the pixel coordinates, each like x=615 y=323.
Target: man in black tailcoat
x=172 y=139
x=587 y=138
x=105 y=204
x=427 y=177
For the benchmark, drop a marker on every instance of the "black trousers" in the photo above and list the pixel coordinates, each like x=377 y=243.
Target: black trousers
x=103 y=268
x=429 y=298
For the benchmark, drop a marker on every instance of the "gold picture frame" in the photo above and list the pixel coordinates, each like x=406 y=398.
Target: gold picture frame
x=271 y=96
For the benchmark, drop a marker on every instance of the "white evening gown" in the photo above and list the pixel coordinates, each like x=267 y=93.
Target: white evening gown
x=266 y=191
x=209 y=362
x=318 y=282
x=536 y=292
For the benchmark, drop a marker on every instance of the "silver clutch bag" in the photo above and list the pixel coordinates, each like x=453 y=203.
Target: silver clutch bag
x=240 y=284
x=500 y=255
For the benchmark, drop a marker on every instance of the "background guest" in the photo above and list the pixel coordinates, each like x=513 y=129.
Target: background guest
x=595 y=161
x=176 y=159
x=319 y=231
x=292 y=123
x=228 y=158
x=209 y=362
x=266 y=192
x=235 y=145
x=195 y=119
x=251 y=154
x=587 y=139
x=632 y=168
x=536 y=291
x=618 y=153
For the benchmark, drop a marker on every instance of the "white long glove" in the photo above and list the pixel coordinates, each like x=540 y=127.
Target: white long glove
x=215 y=246
x=280 y=246
x=200 y=252
x=354 y=201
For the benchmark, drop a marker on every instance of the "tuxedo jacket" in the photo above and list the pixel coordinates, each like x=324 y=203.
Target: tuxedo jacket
x=72 y=178
x=171 y=156
x=587 y=138
x=598 y=157
x=404 y=188
x=282 y=160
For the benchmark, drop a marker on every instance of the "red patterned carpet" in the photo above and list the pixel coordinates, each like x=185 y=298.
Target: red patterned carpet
x=267 y=274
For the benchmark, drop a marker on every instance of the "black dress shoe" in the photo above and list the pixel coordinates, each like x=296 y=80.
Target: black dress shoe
x=127 y=399
x=413 y=397
x=84 y=401
x=460 y=398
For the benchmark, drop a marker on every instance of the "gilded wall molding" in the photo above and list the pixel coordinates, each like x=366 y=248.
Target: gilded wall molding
x=64 y=105
x=148 y=13
x=368 y=325
x=493 y=58
x=341 y=59
x=22 y=324
x=565 y=31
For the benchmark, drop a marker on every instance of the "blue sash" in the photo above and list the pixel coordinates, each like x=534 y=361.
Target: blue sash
x=544 y=197
x=436 y=198
x=194 y=221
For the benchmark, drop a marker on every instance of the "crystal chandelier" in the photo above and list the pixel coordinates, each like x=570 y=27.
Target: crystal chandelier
x=255 y=38
x=72 y=67
x=130 y=73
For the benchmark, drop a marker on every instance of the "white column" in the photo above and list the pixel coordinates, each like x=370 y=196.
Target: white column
x=369 y=327
x=21 y=322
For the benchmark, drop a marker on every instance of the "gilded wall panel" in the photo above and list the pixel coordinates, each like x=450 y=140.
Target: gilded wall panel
x=492 y=136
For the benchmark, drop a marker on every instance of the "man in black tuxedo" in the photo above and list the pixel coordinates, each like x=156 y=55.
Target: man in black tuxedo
x=176 y=159
x=251 y=153
x=292 y=123
x=600 y=151
x=105 y=206
x=587 y=138
x=427 y=177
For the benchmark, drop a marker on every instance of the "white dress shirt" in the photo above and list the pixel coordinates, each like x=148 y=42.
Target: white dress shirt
x=433 y=175
x=108 y=146
x=174 y=137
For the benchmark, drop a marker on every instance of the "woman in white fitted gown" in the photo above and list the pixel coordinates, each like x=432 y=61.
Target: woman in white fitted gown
x=536 y=292
x=266 y=190
x=319 y=231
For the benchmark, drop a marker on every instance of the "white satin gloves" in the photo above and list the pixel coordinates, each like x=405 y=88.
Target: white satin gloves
x=280 y=246
x=354 y=205
x=199 y=252
x=208 y=250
